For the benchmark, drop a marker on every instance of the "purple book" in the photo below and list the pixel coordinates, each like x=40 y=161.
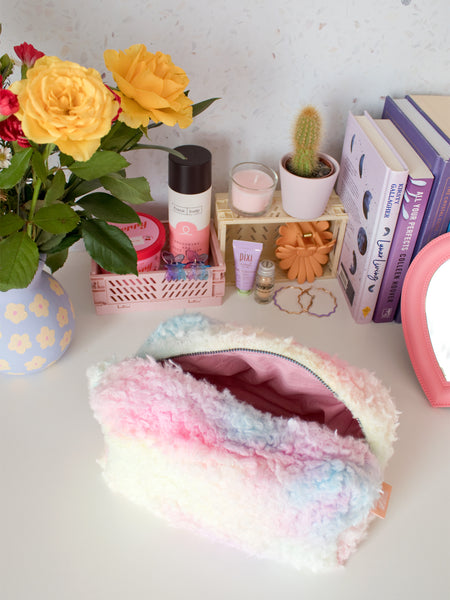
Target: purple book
x=434 y=150
x=417 y=191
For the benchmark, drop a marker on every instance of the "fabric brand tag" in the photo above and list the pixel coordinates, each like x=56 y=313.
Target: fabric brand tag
x=381 y=505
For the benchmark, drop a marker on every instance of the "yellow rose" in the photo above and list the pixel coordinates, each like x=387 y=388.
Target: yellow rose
x=66 y=104
x=150 y=87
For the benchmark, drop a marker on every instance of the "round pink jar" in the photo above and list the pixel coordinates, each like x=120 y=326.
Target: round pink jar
x=148 y=238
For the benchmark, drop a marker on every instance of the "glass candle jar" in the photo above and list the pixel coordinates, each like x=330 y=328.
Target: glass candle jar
x=251 y=188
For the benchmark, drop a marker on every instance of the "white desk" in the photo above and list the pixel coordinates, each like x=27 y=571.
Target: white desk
x=65 y=536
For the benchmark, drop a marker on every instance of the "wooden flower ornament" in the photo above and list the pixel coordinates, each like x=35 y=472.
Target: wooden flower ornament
x=303 y=248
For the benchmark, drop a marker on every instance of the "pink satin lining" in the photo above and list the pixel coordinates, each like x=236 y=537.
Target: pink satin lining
x=274 y=384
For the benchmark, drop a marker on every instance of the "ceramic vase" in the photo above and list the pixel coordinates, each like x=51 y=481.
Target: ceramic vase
x=36 y=325
x=306 y=198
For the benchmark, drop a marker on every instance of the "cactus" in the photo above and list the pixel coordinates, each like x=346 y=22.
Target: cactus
x=307 y=134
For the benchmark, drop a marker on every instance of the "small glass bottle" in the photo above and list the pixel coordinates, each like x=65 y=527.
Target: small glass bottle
x=265 y=282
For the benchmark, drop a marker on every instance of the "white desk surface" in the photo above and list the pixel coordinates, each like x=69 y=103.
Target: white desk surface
x=65 y=536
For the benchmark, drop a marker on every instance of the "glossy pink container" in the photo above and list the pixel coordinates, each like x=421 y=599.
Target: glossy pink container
x=148 y=238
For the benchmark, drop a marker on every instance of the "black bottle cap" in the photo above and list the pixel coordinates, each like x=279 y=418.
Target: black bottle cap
x=191 y=175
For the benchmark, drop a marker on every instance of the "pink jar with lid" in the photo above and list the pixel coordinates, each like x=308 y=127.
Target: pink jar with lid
x=148 y=238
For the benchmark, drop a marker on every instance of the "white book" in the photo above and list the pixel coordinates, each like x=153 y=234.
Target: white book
x=371 y=184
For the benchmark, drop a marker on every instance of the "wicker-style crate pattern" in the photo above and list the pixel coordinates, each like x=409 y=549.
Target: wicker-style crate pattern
x=230 y=226
x=148 y=291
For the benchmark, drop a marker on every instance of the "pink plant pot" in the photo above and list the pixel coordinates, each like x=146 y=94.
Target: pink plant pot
x=306 y=198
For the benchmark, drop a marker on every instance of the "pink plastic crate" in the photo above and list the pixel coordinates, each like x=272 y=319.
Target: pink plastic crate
x=149 y=291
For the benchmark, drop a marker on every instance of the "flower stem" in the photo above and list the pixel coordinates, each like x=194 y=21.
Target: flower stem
x=36 y=189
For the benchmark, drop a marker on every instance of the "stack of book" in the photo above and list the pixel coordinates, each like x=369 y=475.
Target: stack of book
x=395 y=186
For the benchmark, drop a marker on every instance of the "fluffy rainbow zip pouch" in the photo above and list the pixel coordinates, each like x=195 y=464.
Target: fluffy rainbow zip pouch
x=250 y=439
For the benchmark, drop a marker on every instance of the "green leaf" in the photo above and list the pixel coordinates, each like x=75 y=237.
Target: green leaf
x=121 y=137
x=82 y=188
x=153 y=147
x=68 y=240
x=46 y=241
x=135 y=190
x=108 y=208
x=56 y=261
x=199 y=107
x=16 y=170
x=19 y=259
x=57 y=218
x=110 y=247
x=10 y=223
x=38 y=164
x=56 y=188
x=65 y=160
x=101 y=163
x=6 y=66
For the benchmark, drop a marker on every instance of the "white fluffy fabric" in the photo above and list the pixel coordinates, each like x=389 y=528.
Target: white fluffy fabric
x=278 y=487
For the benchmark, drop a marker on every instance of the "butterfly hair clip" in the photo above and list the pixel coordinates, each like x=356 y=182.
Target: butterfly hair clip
x=196 y=267
x=174 y=266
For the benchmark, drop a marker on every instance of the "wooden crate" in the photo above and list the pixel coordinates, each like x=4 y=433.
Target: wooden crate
x=230 y=226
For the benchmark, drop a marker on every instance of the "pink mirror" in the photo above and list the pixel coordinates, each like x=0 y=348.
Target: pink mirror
x=426 y=318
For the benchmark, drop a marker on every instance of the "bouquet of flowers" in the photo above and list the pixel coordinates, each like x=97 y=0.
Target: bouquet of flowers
x=62 y=135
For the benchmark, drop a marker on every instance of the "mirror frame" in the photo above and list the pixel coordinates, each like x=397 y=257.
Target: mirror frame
x=414 y=320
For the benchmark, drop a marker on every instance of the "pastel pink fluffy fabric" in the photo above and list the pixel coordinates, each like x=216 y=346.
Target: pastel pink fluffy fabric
x=278 y=486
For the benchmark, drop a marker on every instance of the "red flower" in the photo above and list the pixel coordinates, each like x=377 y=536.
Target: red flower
x=9 y=103
x=118 y=99
x=11 y=131
x=28 y=54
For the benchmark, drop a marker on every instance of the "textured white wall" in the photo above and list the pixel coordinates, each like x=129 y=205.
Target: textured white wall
x=264 y=58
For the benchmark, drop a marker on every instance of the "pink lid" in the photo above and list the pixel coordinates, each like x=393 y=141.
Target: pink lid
x=147 y=237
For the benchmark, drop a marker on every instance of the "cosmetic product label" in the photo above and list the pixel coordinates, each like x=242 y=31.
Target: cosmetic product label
x=246 y=259
x=189 y=222
x=185 y=236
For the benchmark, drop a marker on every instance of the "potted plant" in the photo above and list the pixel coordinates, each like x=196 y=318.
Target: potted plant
x=307 y=176
x=62 y=135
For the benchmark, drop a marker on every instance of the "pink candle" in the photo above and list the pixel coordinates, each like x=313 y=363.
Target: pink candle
x=251 y=189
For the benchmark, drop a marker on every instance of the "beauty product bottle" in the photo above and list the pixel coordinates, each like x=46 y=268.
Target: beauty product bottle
x=265 y=282
x=189 y=201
